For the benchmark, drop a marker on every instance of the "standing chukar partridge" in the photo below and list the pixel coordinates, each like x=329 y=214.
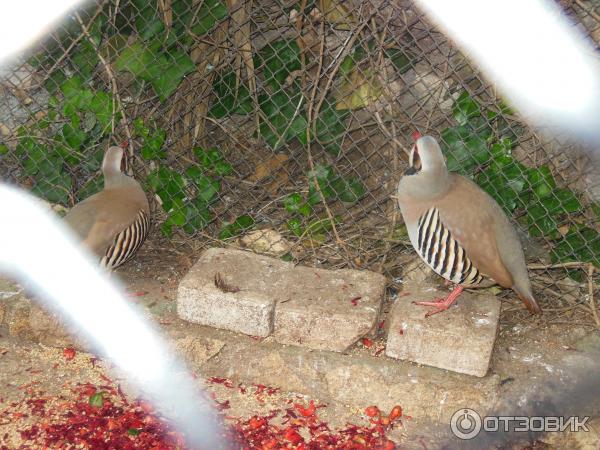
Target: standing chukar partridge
x=114 y=222
x=458 y=229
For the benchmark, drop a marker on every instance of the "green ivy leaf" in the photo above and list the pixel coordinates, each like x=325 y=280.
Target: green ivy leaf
x=346 y=66
x=331 y=126
x=295 y=226
x=152 y=148
x=97 y=400
x=198 y=216
x=292 y=202
x=399 y=59
x=169 y=185
x=133 y=431
x=208 y=158
x=235 y=228
x=76 y=97
x=230 y=99
x=579 y=244
x=453 y=145
x=287 y=257
x=279 y=109
x=353 y=190
x=73 y=136
x=140 y=129
x=54 y=81
x=223 y=168
x=210 y=13
x=501 y=148
x=279 y=59
x=568 y=203
x=207 y=188
x=55 y=188
x=91 y=187
x=318 y=226
x=167 y=76
x=139 y=60
x=101 y=105
x=542 y=181
x=541 y=223
x=147 y=19
x=504 y=180
x=324 y=176
x=465 y=108
x=85 y=59
x=32 y=154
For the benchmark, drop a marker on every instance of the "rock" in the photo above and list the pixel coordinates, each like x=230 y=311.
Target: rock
x=47 y=328
x=267 y=241
x=460 y=339
x=245 y=300
x=418 y=272
x=307 y=306
x=356 y=380
x=196 y=350
x=8 y=289
x=328 y=309
x=16 y=317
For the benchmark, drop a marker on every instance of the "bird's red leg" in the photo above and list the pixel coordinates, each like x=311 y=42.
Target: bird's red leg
x=442 y=304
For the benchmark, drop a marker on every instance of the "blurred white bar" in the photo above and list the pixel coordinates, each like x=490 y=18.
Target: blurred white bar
x=544 y=66
x=24 y=21
x=37 y=249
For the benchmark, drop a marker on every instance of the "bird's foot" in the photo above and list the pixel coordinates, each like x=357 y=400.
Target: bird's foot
x=442 y=304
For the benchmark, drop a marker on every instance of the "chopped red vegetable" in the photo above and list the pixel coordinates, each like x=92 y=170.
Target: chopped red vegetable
x=367 y=342
x=396 y=412
x=69 y=353
x=372 y=411
x=306 y=412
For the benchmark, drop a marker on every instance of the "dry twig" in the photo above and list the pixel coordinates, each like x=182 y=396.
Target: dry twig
x=113 y=83
x=590 y=273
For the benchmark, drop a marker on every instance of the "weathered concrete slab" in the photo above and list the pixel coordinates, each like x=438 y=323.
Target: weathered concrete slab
x=357 y=379
x=242 y=301
x=460 y=339
x=315 y=308
x=328 y=309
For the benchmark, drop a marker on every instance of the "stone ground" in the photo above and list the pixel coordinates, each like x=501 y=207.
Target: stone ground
x=535 y=370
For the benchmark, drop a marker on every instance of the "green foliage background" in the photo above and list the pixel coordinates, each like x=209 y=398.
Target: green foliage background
x=61 y=153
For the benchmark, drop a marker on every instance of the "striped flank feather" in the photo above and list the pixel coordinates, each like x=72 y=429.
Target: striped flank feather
x=127 y=242
x=442 y=252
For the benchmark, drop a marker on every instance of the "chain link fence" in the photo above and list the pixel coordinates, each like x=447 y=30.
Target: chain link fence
x=284 y=127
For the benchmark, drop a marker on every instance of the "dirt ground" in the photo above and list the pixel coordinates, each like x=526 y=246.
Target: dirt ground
x=528 y=358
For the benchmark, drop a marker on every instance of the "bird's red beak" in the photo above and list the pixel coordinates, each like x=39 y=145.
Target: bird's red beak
x=416 y=135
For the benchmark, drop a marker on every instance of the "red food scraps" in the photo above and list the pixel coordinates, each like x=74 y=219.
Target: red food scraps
x=101 y=417
x=69 y=353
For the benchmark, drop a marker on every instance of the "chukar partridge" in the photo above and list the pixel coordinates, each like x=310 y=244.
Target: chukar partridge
x=458 y=229
x=114 y=222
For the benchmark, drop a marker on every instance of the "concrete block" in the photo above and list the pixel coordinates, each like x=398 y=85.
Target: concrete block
x=243 y=301
x=460 y=339
x=328 y=309
x=315 y=308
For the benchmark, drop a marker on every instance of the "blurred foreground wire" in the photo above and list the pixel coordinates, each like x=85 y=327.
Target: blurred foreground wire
x=37 y=250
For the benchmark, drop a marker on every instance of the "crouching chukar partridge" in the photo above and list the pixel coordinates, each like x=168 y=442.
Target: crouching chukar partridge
x=114 y=222
x=458 y=229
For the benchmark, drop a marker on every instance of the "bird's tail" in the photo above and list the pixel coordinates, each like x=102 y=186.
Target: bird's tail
x=527 y=298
